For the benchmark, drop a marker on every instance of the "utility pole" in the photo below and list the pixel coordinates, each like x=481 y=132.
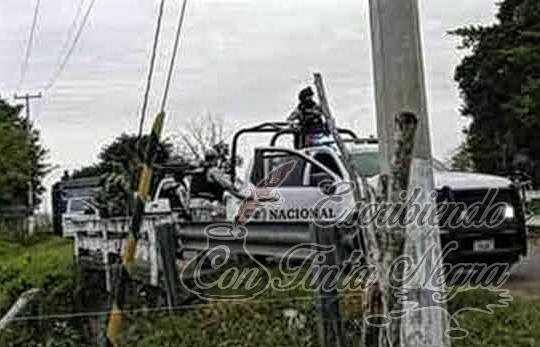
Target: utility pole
x=400 y=87
x=27 y=97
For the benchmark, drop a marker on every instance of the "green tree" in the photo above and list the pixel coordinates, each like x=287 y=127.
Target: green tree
x=119 y=165
x=499 y=82
x=461 y=159
x=22 y=157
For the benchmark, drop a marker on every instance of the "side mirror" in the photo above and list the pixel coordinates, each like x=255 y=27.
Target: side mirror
x=328 y=187
x=325 y=182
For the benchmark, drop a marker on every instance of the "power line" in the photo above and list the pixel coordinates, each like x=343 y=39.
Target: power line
x=116 y=314
x=28 y=51
x=174 y=53
x=151 y=68
x=71 y=31
x=69 y=53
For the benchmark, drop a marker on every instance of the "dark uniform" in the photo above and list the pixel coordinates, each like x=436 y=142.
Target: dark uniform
x=203 y=185
x=210 y=181
x=310 y=118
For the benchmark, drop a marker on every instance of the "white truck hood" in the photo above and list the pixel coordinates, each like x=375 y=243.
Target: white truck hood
x=466 y=180
x=461 y=180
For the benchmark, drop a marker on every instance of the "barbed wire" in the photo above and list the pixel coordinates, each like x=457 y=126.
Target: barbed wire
x=281 y=300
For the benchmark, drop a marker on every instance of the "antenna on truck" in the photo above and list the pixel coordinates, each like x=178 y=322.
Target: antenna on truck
x=323 y=101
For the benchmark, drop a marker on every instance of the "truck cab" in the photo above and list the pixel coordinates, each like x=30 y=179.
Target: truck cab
x=304 y=194
x=78 y=209
x=318 y=188
x=502 y=242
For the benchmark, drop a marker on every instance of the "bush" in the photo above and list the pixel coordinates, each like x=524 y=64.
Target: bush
x=534 y=207
x=262 y=323
x=47 y=263
x=43 y=262
x=516 y=325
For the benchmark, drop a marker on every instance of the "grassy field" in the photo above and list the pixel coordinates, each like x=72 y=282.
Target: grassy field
x=46 y=262
x=265 y=324
x=43 y=262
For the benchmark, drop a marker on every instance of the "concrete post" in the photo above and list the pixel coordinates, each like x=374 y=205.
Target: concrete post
x=400 y=87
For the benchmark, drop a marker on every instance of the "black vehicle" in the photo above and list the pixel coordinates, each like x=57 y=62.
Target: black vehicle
x=471 y=199
x=476 y=241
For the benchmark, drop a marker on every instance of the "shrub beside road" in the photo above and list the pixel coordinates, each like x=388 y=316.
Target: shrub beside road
x=273 y=319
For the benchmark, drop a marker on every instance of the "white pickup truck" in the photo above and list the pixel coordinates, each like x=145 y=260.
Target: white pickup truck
x=78 y=209
x=301 y=197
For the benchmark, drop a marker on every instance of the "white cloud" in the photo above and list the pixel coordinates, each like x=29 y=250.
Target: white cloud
x=242 y=59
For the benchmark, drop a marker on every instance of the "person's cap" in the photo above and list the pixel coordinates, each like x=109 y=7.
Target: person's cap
x=210 y=154
x=305 y=93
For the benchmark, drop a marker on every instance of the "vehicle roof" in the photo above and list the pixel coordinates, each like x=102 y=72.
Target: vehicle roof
x=83 y=182
x=469 y=180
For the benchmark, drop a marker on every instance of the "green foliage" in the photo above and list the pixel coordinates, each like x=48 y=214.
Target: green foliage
x=46 y=262
x=516 y=325
x=21 y=157
x=63 y=334
x=461 y=159
x=89 y=171
x=43 y=262
x=261 y=323
x=534 y=207
x=228 y=324
x=119 y=165
x=500 y=86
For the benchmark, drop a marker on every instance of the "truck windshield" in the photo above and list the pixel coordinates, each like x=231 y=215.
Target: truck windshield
x=366 y=164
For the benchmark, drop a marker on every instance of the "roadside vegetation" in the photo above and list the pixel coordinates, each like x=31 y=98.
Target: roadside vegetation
x=499 y=83
x=43 y=262
x=268 y=324
x=534 y=207
x=275 y=318
x=22 y=158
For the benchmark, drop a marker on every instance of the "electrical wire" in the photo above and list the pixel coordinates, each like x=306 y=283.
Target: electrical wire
x=151 y=68
x=28 y=51
x=232 y=302
x=173 y=57
x=69 y=53
x=65 y=47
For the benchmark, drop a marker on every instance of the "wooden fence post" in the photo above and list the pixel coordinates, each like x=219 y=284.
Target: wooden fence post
x=327 y=297
x=166 y=243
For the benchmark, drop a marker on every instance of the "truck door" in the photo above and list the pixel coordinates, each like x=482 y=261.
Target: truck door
x=309 y=191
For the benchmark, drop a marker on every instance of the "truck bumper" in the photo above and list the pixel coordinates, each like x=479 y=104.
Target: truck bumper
x=509 y=245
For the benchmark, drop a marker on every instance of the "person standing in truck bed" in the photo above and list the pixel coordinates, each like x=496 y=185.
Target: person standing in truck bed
x=309 y=117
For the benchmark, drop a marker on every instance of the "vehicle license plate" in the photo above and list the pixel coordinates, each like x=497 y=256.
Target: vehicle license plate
x=484 y=245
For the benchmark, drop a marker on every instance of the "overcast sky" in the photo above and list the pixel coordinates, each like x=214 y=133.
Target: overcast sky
x=243 y=60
